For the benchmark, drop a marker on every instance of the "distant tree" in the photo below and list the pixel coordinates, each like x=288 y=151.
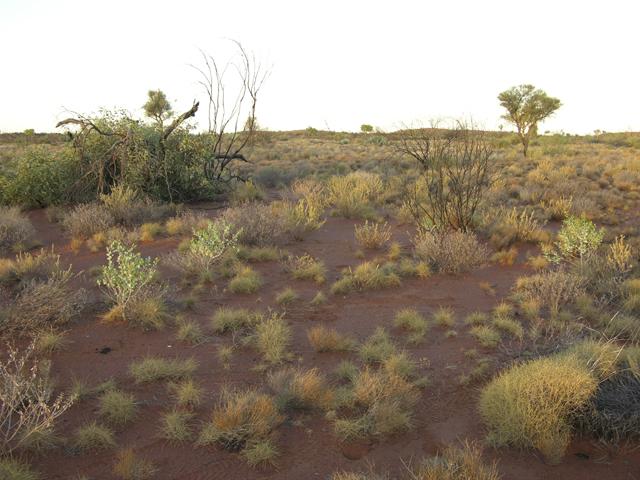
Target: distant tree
x=366 y=128
x=526 y=107
x=157 y=106
x=29 y=132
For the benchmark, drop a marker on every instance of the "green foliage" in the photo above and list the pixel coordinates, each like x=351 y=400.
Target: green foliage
x=366 y=128
x=127 y=274
x=526 y=107
x=157 y=106
x=577 y=239
x=40 y=176
x=209 y=244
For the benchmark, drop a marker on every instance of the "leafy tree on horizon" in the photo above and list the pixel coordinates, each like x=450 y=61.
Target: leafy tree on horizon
x=526 y=107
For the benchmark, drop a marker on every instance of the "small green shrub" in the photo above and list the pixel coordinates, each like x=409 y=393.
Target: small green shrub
x=577 y=239
x=127 y=276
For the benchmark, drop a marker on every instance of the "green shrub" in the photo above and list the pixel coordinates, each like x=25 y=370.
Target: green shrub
x=127 y=276
x=42 y=176
x=577 y=239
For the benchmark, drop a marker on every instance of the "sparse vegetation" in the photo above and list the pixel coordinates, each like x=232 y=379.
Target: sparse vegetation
x=152 y=369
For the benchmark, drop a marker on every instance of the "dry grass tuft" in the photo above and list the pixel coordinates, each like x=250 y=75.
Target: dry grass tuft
x=151 y=369
x=324 y=339
x=372 y=235
x=129 y=466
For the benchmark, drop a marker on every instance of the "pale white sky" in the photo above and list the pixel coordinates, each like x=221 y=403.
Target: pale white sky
x=334 y=63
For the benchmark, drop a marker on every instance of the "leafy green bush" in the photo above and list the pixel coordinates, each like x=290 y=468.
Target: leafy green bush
x=126 y=276
x=577 y=239
x=41 y=176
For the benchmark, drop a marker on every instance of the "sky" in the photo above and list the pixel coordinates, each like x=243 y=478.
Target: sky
x=333 y=64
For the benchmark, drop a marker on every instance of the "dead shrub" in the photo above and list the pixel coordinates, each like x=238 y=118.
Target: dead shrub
x=450 y=252
x=256 y=223
x=28 y=407
x=16 y=230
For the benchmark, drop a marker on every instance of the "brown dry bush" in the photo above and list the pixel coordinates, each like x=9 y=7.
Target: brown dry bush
x=16 y=230
x=240 y=418
x=380 y=403
x=456 y=463
x=257 y=223
x=450 y=252
x=42 y=305
x=554 y=289
x=295 y=389
x=372 y=235
x=28 y=407
x=85 y=220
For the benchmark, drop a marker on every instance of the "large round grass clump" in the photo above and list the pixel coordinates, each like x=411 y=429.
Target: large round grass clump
x=532 y=405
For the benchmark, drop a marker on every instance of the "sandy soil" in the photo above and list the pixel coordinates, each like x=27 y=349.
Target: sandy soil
x=446 y=413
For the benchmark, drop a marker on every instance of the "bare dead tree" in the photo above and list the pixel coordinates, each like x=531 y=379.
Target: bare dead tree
x=455 y=171
x=231 y=114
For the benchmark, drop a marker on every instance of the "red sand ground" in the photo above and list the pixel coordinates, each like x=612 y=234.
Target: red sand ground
x=447 y=412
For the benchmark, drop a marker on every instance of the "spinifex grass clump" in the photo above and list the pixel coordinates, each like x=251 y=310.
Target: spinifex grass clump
x=372 y=235
x=296 y=389
x=413 y=323
x=377 y=403
x=308 y=268
x=241 y=420
x=531 y=405
x=367 y=276
x=272 y=338
x=151 y=369
x=324 y=339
